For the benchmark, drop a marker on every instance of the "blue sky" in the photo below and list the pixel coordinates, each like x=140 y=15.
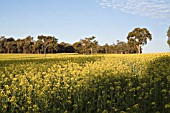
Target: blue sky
x=72 y=20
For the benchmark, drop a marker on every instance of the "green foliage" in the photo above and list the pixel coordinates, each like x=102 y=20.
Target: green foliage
x=168 y=34
x=159 y=72
x=86 y=46
x=168 y=42
x=160 y=67
x=139 y=37
x=49 y=44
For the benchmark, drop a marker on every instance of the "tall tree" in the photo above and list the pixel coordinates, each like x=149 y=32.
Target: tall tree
x=122 y=47
x=2 y=46
x=28 y=44
x=48 y=41
x=20 y=45
x=37 y=47
x=168 y=34
x=106 y=48
x=78 y=47
x=139 y=37
x=89 y=45
x=9 y=42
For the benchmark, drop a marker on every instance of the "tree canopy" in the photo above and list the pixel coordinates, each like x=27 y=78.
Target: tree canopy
x=49 y=44
x=89 y=45
x=138 y=37
x=168 y=34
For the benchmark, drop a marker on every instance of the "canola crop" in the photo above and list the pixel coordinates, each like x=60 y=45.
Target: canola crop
x=85 y=83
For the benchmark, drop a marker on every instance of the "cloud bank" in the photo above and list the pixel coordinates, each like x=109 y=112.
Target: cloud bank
x=149 y=8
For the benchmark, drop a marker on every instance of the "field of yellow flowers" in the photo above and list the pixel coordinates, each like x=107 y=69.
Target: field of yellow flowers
x=72 y=83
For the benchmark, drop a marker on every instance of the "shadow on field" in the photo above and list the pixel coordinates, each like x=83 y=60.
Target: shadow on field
x=122 y=93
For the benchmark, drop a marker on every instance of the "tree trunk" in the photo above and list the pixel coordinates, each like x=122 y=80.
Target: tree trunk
x=139 y=49
x=106 y=50
x=91 y=50
x=45 y=52
x=8 y=50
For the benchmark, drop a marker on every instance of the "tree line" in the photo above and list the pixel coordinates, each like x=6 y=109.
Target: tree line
x=49 y=44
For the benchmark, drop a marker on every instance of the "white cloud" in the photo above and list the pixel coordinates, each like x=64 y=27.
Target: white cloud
x=148 y=8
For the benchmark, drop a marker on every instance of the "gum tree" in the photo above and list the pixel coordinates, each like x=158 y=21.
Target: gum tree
x=168 y=34
x=47 y=41
x=138 y=37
